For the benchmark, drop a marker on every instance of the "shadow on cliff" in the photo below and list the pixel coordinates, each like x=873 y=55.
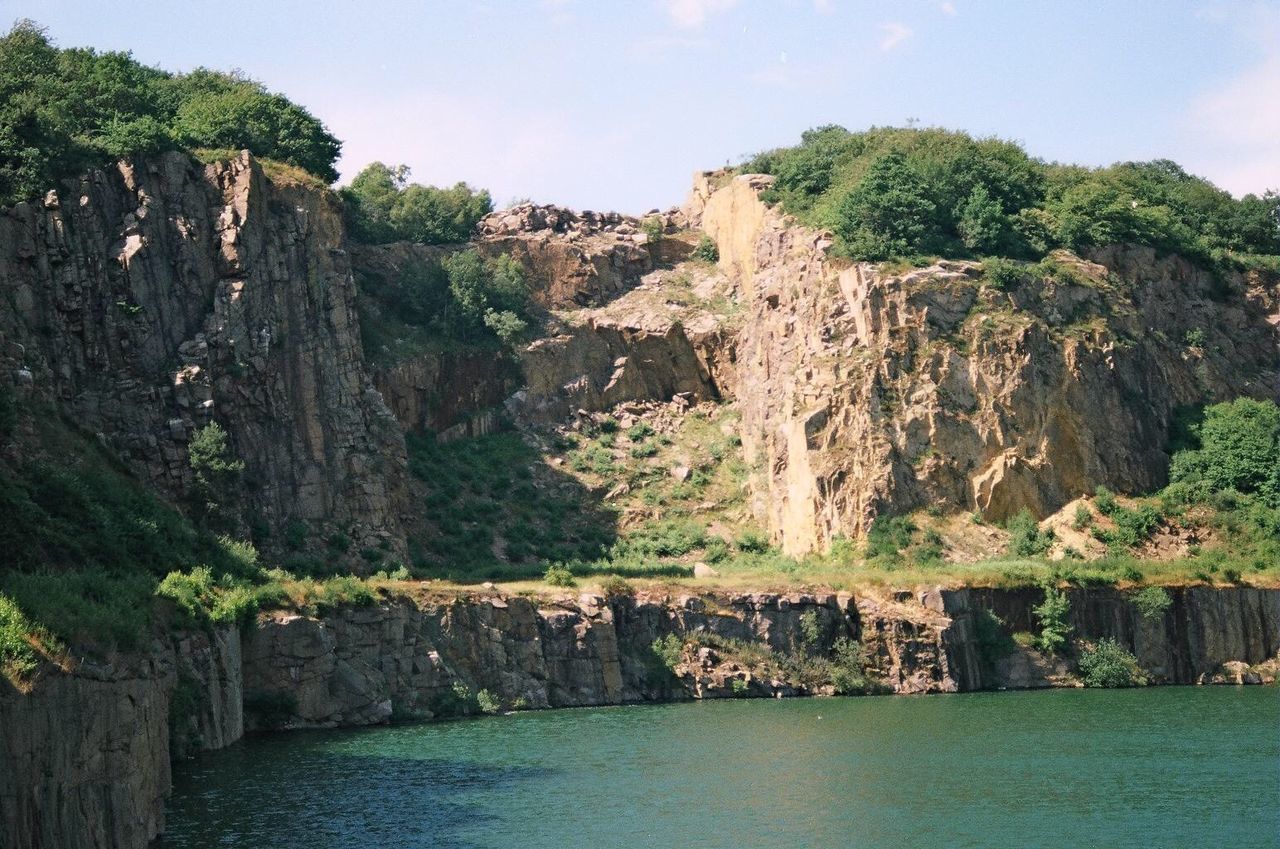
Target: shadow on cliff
x=493 y=508
x=292 y=792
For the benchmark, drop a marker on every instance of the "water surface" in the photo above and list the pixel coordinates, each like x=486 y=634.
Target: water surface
x=1163 y=767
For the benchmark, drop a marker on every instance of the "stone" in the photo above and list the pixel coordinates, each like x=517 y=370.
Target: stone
x=702 y=570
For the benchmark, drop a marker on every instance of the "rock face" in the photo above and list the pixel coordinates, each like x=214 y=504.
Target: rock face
x=157 y=296
x=85 y=755
x=866 y=392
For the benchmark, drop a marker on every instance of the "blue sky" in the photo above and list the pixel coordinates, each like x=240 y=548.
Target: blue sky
x=613 y=105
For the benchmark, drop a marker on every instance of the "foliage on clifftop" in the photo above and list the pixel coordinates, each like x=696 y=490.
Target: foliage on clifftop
x=64 y=111
x=383 y=206
x=891 y=192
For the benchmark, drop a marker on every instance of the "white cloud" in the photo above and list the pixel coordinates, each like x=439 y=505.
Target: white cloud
x=824 y=7
x=947 y=8
x=894 y=33
x=1234 y=128
x=691 y=14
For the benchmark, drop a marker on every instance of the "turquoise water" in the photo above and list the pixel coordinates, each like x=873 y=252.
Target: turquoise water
x=1164 y=767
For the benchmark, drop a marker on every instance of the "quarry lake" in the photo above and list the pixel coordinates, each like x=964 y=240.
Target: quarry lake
x=1168 y=767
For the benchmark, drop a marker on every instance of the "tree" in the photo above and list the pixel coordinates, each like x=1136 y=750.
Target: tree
x=982 y=224
x=1239 y=449
x=888 y=213
x=382 y=206
x=216 y=475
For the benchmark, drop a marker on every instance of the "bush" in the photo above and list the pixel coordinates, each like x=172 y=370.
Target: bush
x=751 y=542
x=1083 y=517
x=1238 y=449
x=383 y=206
x=1105 y=500
x=706 y=251
x=1003 y=274
x=888 y=536
x=615 y=586
x=653 y=227
x=1152 y=603
x=488 y=702
x=1108 y=664
x=558 y=575
x=849 y=668
x=1025 y=537
x=216 y=489
x=1052 y=615
x=17 y=656
x=668 y=649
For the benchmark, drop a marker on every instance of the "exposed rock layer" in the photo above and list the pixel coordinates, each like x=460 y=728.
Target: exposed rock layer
x=865 y=392
x=154 y=297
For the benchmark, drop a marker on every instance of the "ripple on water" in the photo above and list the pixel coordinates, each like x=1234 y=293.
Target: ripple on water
x=1167 y=767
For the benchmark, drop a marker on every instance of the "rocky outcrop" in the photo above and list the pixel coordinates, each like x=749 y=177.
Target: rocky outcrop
x=84 y=754
x=1203 y=630
x=865 y=391
x=570 y=259
x=159 y=295
x=453 y=394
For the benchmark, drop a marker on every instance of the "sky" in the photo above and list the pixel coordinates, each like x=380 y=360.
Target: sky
x=614 y=104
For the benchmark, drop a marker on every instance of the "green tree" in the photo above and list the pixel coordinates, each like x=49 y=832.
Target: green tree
x=1239 y=449
x=216 y=475
x=983 y=225
x=888 y=213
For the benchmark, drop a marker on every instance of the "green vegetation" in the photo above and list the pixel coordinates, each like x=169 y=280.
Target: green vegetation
x=217 y=476
x=1051 y=613
x=705 y=251
x=1236 y=448
x=462 y=300
x=1152 y=602
x=65 y=111
x=668 y=650
x=899 y=192
x=558 y=575
x=383 y=206
x=1025 y=537
x=496 y=510
x=1108 y=664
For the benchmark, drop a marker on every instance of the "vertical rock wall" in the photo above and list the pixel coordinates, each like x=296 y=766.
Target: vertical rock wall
x=154 y=297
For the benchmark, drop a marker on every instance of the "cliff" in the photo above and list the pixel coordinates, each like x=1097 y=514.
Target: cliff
x=868 y=392
x=152 y=298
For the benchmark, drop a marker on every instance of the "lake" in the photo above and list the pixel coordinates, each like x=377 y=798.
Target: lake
x=1161 y=767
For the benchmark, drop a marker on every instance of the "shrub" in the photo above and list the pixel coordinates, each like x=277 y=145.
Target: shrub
x=1083 y=517
x=383 y=206
x=217 y=474
x=639 y=431
x=1003 y=274
x=1052 y=615
x=888 y=536
x=17 y=657
x=558 y=575
x=653 y=228
x=1105 y=500
x=751 y=542
x=668 y=649
x=488 y=702
x=1239 y=449
x=1026 y=539
x=706 y=250
x=739 y=687
x=810 y=630
x=1108 y=664
x=849 y=667
x=615 y=586
x=1152 y=602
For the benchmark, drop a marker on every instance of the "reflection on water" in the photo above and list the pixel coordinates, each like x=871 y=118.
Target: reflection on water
x=1168 y=767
